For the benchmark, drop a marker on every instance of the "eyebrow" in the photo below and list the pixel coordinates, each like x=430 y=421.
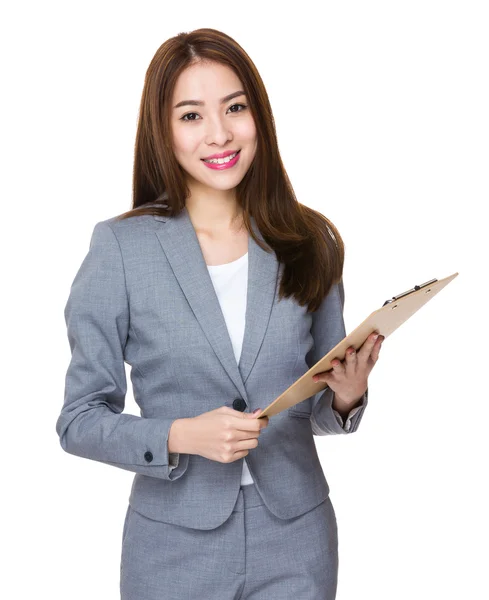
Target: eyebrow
x=200 y=103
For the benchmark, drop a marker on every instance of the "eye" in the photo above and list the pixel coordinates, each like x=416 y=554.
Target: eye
x=187 y=115
x=243 y=107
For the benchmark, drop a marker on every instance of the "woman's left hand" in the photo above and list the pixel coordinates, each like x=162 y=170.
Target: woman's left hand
x=349 y=378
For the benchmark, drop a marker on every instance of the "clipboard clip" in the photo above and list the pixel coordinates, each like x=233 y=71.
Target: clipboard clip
x=414 y=289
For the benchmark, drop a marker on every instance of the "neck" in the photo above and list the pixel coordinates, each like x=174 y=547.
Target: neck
x=214 y=210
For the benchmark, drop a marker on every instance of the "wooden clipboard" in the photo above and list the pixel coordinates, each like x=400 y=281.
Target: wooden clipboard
x=385 y=320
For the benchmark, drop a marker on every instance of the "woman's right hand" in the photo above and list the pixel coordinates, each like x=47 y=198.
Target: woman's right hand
x=225 y=434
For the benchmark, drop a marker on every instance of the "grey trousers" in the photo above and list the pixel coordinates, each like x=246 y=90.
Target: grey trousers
x=251 y=556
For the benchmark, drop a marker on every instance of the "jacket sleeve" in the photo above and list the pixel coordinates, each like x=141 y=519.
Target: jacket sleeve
x=92 y=423
x=327 y=330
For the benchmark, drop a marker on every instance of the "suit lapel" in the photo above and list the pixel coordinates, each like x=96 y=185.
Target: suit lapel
x=181 y=246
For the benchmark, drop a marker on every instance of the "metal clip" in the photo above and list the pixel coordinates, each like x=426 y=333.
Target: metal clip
x=414 y=289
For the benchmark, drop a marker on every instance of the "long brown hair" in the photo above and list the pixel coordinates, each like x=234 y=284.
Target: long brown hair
x=305 y=241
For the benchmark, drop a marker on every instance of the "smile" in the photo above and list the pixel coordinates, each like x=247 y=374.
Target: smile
x=222 y=163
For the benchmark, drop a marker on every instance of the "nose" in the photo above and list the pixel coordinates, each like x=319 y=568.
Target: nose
x=218 y=132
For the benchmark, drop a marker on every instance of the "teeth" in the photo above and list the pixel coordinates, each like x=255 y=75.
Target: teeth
x=221 y=161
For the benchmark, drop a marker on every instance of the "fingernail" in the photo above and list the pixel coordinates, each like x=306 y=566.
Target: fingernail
x=256 y=410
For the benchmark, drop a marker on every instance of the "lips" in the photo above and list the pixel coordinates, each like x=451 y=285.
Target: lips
x=222 y=166
x=220 y=154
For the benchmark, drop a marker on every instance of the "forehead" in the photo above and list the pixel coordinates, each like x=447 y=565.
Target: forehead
x=205 y=81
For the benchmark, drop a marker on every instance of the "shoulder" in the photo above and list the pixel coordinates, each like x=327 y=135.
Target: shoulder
x=125 y=229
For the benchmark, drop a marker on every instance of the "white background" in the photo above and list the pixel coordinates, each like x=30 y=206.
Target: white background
x=381 y=111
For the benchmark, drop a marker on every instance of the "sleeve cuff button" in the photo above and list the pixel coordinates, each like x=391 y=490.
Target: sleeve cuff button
x=148 y=456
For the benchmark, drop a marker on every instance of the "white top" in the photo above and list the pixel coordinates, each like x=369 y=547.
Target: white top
x=231 y=285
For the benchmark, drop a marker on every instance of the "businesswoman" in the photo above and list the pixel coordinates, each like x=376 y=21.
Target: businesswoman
x=219 y=289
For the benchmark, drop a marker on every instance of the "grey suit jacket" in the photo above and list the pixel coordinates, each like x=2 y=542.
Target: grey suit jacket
x=143 y=296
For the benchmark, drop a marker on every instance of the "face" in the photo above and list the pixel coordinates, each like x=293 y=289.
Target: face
x=214 y=125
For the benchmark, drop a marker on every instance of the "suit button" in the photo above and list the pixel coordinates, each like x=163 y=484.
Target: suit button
x=148 y=456
x=239 y=404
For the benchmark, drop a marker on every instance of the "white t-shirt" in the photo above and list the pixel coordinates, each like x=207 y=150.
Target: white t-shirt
x=230 y=282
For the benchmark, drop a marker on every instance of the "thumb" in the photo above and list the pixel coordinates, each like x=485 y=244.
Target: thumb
x=255 y=412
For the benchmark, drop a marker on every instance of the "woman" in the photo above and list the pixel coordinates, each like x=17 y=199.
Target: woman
x=219 y=289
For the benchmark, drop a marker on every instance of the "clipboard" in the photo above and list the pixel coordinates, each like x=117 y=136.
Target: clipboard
x=385 y=320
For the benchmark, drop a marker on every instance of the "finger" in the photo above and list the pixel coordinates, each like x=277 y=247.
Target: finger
x=368 y=346
x=374 y=355
x=324 y=376
x=256 y=414
x=256 y=417
x=338 y=366
x=252 y=424
x=350 y=358
x=252 y=415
